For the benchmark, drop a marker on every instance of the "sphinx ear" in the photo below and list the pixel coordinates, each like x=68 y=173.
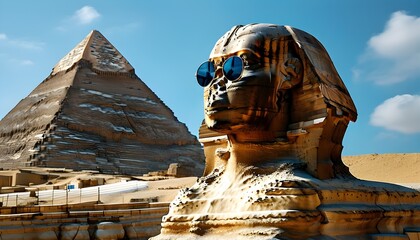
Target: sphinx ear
x=292 y=70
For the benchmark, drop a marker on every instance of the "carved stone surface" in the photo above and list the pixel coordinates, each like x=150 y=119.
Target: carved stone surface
x=93 y=112
x=289 y=93
x=276 y=112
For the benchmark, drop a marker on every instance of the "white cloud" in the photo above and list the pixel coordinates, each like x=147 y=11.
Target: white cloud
x=399 y=39
x=86 y=15
x=3 y=36
x=393 y=55
x=400 y=113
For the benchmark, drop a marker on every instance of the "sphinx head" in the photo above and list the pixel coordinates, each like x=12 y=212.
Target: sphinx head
x=269 y=83
x=246 y=81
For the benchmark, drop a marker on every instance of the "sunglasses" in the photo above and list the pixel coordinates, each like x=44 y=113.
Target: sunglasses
x=232 y=70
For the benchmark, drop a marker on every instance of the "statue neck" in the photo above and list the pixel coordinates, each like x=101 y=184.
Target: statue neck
x=252 y=153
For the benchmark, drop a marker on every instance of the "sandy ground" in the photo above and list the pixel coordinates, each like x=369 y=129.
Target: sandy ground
x=393 y=168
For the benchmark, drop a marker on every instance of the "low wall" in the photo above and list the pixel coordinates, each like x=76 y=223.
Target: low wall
x=82 y=221
x=6 y=181
x=25 y=178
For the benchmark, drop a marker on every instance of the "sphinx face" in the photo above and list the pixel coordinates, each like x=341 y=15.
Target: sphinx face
x=265 y=84
x=245 y=101
x=245 y=89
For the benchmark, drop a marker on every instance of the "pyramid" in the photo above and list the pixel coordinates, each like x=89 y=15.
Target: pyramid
x=93 y=113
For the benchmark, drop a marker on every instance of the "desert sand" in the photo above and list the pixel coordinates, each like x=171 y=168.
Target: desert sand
x=392 y=168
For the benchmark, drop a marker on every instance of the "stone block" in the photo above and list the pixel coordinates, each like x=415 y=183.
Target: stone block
x=109 y=231
x=159 y=204
x=96 y=213
x=74 y=231
x=157 y=210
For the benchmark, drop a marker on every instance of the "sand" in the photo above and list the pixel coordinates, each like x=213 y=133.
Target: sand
x=392 y=168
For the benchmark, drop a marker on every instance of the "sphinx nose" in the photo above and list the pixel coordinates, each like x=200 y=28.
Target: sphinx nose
x=219 y=85
x=218 y=95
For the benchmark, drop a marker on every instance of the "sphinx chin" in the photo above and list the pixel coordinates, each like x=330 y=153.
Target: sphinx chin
x=222 y=126
x=231 y=122
x=217 y=125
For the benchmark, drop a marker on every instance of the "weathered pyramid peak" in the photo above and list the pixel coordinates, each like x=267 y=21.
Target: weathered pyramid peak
x=96 y=49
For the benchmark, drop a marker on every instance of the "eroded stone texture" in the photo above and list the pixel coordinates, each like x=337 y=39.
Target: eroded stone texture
x=276 y=112
x=74 y=231
x=109 y=231
x=93 y=112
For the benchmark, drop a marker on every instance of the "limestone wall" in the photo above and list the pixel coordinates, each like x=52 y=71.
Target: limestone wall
x=82 y=221
x=6 y=181
x=24 y=178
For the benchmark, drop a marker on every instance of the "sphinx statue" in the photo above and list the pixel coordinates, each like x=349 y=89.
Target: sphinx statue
x=275 y=114
x=284 y=92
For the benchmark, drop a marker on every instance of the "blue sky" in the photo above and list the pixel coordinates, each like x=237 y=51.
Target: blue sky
x=375 y=46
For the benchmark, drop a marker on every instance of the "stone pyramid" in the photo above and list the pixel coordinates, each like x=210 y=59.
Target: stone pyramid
x=93 y=113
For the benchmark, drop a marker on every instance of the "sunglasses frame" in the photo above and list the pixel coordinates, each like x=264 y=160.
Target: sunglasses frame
x=223 y=70
x=206 y=79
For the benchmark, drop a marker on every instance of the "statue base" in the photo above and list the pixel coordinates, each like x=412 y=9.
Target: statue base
x=288 y=203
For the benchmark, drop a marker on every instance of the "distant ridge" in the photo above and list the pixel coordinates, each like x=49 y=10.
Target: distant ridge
x=93 y=112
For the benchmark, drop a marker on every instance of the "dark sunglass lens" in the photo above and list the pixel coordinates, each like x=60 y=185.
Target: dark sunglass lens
x=232 y=68
x=205 y=73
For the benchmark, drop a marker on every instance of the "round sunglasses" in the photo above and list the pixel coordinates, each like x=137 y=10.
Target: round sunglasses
x=232 y=70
